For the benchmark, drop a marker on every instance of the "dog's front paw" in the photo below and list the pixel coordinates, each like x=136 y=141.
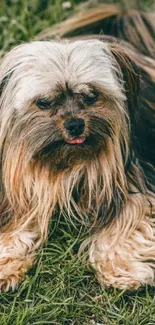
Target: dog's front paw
x=12 y=271
x=125 y=276
x=119 y=281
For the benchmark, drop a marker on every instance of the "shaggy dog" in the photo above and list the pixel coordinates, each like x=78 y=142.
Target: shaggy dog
x=77 y=123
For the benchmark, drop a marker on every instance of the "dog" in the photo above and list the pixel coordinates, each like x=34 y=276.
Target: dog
x=77 y=123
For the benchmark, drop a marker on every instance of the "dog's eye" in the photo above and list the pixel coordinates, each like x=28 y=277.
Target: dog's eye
x=43 y=103
x=90 y=100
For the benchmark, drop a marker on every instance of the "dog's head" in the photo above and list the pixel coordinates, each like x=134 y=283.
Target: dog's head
x=64 y=107
x=63 y=102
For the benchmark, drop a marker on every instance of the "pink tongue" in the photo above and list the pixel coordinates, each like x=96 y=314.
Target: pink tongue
x=76 y=141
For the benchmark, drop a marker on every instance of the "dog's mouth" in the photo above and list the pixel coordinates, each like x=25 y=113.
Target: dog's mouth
x=67 y=152
x=55 y=147
x=76 y=140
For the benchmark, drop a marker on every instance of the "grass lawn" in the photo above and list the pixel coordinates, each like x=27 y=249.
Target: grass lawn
x=60 y=289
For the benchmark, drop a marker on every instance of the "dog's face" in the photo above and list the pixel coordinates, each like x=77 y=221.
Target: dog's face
x=62 y=102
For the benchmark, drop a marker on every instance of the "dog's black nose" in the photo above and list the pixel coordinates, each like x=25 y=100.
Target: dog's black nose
x=75 y=126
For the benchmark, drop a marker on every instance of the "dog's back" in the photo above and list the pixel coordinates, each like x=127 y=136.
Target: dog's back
x=132 y=26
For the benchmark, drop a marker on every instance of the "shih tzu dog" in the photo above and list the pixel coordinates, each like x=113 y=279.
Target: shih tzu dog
x=77 y=123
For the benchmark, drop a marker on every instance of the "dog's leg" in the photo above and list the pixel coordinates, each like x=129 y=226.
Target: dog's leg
x=17 y=255
x=123 y=253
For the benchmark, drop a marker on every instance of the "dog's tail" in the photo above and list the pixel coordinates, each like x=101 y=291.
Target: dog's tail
x=135 y=27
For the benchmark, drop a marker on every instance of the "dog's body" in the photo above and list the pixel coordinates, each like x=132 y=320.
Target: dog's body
x=77 y=133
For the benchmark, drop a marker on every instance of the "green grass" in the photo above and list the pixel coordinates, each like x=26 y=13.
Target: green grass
x=61 y=290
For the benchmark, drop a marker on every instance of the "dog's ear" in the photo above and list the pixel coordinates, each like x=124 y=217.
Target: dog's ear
x=131 y=78
x=129 y=74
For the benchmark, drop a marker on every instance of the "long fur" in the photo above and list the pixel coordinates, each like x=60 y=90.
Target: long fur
x=108 y=181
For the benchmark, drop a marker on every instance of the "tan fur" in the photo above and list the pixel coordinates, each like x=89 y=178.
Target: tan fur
x=16 y=257
x=123 y=253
